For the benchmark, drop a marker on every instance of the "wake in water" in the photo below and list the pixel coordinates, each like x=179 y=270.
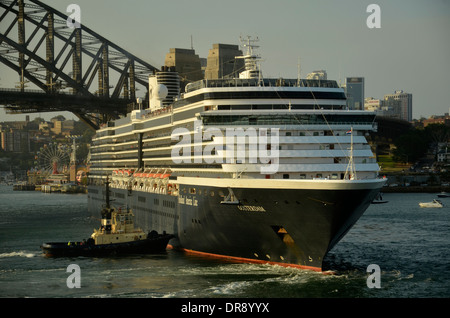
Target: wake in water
x=18 y=254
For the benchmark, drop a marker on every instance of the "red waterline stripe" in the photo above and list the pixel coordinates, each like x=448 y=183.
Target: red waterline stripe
x=245 y=260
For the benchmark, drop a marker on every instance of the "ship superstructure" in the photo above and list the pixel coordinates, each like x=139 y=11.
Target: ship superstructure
x=250 y=168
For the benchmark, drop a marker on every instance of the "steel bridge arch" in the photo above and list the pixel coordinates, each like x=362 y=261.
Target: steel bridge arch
x=92 y=56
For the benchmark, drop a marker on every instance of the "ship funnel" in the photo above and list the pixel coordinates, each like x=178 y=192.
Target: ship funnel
x=164 y=87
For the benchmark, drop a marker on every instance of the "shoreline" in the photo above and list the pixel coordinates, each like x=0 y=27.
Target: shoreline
x=416 y=189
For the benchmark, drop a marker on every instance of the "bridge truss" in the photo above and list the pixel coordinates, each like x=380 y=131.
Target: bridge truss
x=74 y=68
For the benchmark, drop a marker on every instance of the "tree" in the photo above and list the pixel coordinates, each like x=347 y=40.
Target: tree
x=437 y=133
x=410 y=146
x=414 y=144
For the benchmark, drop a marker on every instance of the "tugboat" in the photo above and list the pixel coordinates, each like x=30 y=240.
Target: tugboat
x=116 y=236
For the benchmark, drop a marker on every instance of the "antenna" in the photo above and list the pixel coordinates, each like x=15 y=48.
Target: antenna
x=252 y=67
x=249 y=45
x=351 y=163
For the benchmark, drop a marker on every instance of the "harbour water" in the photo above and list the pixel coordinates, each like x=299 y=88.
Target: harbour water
x=408 y=243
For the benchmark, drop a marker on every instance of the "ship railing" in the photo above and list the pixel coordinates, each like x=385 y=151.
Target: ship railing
x=267 y=82
x=155 y=113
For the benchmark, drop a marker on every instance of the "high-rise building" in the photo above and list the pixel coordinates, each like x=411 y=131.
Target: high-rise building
x=403 y=101
x=186 y=62
x=355 y=92
x=15 y=141
x=222 y=61
x=382 y=107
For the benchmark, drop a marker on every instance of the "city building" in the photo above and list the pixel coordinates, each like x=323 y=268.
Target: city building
x=382 y=108
x=222 y=61
x=354 y=88
x=401 y=102
x=27 y=136
x=15 y=140
x=186 y=62
x=372 y=104
x=63 y=127
x=437 y=120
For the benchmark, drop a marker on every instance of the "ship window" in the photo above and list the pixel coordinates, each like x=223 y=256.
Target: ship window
x=192 y=190
x=212 y=193
x=286 y=176
x=141 y=199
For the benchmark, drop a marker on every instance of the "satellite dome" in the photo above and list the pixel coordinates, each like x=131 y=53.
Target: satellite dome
x=160 y=91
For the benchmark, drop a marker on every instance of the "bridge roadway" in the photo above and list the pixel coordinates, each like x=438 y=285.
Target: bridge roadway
x=32 y=101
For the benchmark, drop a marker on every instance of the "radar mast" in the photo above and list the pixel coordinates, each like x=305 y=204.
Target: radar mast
x=252 y=67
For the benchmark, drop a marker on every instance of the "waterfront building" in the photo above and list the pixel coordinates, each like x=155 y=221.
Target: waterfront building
x=15 y=141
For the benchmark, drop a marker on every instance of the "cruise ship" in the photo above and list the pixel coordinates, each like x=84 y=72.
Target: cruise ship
x=250 y=169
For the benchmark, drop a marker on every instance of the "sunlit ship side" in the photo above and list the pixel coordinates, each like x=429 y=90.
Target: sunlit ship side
x=312 y=177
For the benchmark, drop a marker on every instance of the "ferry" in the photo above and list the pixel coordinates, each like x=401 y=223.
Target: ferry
x=249 y=169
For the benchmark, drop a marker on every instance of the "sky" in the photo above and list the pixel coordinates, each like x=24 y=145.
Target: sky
x=410 y=52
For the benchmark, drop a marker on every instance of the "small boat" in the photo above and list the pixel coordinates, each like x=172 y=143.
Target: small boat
x=116 y=236
x=379 y=199
x=444 y=195
x=433 y=204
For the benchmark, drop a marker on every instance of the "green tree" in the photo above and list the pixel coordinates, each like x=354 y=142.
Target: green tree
x=437 y=133
x=410 y=146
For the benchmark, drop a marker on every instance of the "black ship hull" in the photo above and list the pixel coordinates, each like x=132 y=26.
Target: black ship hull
x=288 y=227
x=154 y=244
